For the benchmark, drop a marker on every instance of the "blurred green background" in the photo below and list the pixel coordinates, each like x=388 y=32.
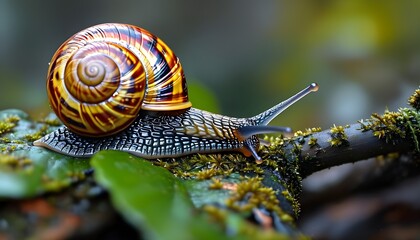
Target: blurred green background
x=247 y=55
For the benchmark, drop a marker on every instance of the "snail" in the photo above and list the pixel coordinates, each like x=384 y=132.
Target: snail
x=117 y=86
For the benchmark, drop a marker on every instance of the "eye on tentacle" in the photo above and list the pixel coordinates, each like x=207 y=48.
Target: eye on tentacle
x=261 y=120
x=265 y=117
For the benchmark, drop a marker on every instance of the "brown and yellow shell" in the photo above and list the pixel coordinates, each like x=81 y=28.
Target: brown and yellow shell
x=100 y=78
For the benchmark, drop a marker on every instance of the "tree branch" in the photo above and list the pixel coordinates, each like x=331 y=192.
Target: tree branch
x=360 y=145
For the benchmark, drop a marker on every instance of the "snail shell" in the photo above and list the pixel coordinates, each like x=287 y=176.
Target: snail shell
x=100 y=79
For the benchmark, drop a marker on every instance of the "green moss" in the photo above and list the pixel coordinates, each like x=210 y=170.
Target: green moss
x=338 y=136
x=8 y=148
x=15 y=162
x=216 y=184
x=219 y=167
x=51 y=120
x=208 y=173
x=300 y=136
x=206 y=166
x=8 y=123
x=276 y=144
x=286 y=152
x=6 y=127
x=414 y=99
x=243 y=229
x=295 y=203
x=393 y=126
x=37 y=135
x=251 y=193
x=312 y=141
x=216 y=167
x=8 y=140
x=5 y=140
x=307 y=132
x=218 y=214
x=54 y=185
x=76 y=176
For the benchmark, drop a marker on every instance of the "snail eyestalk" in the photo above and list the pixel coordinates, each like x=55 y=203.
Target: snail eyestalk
x=265 y=117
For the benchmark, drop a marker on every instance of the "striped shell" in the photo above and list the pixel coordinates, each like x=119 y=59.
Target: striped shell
x=100 y=78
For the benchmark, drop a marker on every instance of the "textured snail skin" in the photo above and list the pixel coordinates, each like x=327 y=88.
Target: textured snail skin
x=157 y=135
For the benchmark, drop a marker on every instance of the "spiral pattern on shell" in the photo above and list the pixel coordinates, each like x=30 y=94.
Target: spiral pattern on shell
x=100 y=78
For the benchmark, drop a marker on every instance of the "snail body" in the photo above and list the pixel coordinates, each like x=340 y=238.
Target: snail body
x=117 y=86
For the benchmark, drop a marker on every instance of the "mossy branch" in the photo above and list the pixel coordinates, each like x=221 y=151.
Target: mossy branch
x=359 y=145
x=380 y=135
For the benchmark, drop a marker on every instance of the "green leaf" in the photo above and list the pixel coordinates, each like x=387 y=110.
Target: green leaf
x=151 y=198
x=202 y=98
x=25 y=170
